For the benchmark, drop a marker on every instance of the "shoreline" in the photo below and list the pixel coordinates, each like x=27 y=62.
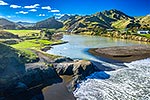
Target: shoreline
x=122 y=53
x=59 y=89
x=46 y=48
x=133 y=37
x=116 y=35
x=107 y=53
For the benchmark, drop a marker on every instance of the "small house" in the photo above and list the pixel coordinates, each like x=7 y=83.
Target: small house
x=143 y=32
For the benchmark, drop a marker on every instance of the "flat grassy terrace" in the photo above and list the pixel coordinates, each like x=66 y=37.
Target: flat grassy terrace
x=27 y=44
x=21 y=33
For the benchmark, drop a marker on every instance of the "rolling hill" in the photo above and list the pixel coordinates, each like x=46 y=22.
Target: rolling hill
x=108 y=19
x=96 y=22
x=6 y=24
x=49 y=23
x=26 y=24
x=144 y=21
x=64 y=17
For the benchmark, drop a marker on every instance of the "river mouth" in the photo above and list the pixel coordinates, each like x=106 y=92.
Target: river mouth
x=77 y=45
x=108 y=83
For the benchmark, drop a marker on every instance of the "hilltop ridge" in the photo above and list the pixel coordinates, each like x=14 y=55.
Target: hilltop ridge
x=108 y=19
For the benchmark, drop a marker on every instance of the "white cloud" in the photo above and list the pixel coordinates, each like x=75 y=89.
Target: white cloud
x=55 y=11
x=2 y=17
x=3 y=3
x=41 y=14
x=47 y=7
x=15 y=6
x=9 y=17
x=21 y=12
x=6 y=16
x=32 y=6
x=33 y=10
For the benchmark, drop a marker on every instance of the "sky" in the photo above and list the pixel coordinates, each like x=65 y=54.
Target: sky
x=36 y=10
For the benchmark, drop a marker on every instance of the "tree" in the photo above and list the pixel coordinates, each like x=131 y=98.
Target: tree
x=46 y=33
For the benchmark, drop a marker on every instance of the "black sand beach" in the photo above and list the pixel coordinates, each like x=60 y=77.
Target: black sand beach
x=123 y=53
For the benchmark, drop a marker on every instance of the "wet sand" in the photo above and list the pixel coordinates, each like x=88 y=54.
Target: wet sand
x=57 y=92
x=123 y=53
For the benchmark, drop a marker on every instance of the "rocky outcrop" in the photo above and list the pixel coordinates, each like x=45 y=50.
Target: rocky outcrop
x=75 y=68
x=78 y=69
x=62 y=59
x=11 y=68
x=10 y=65
x=16 y=79
x=31 y=80
x=41 y=75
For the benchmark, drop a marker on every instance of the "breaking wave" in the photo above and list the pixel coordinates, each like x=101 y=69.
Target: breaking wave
x=130 y=83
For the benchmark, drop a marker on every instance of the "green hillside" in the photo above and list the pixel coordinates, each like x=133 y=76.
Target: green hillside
x=6 y=24
x=91 y=24
x=49 y=23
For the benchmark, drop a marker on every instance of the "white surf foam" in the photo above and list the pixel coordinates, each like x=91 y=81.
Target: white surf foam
x=132 y=83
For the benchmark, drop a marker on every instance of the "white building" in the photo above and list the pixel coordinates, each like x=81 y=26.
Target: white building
x=143 y=32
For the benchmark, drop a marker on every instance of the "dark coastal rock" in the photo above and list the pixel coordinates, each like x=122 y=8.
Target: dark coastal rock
x=34 y=79
x=80 y=67
x=62 y=59
x=11 y=66
x=16 y=89
x=83 y=67
x=77 y=69
x=41 y=75
x=16 y=79
x=65 y=68
x=21 y=85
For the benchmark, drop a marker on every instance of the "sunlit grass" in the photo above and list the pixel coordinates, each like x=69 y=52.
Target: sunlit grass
x=30 y=40
x=145 y=35
x=37 y=44
x=21 y=33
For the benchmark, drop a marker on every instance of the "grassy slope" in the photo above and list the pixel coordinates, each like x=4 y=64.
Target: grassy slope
x=25 y=46
x=145 y=19
x=21 y=33
x=145 y=35
x=120 y=24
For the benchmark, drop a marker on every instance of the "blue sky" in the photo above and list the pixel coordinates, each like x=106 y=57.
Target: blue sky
x=36 y=10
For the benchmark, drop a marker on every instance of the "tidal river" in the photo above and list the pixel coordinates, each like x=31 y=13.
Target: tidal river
x=77 y=45
x=131 y=81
